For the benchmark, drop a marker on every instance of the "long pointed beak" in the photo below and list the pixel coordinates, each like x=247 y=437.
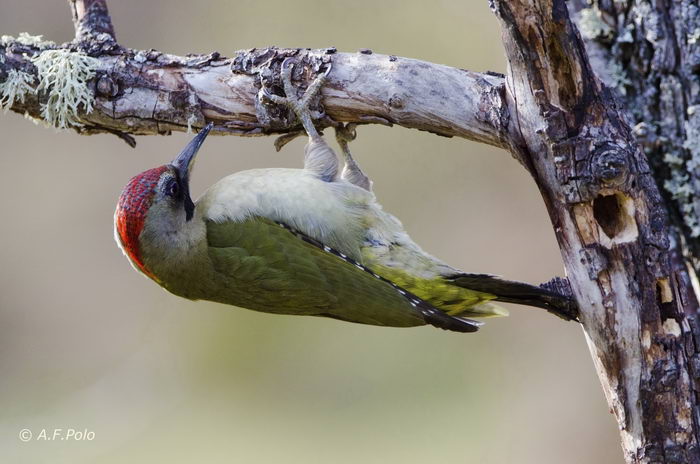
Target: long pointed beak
x=185 y=160
x=183 y=165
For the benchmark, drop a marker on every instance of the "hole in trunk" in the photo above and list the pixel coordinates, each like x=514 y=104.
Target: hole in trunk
x=614 y=213
x=607 y=211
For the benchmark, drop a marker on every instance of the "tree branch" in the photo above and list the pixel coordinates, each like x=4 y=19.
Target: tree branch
x=149 y=92
x=91 y=18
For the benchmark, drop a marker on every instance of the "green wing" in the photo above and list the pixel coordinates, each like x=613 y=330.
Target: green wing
x=268 y=267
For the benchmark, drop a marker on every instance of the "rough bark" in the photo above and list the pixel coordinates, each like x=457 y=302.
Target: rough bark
x=625 y=263
x=648 y=52
x=90 y=19
x=637 y=305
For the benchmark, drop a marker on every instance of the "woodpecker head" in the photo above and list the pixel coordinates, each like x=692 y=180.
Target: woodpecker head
x=160 y=197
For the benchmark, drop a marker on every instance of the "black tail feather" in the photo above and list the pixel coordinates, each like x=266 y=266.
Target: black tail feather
x=509 y=291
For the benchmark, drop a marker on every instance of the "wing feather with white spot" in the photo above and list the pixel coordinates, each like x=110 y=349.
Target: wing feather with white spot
x=270 y=267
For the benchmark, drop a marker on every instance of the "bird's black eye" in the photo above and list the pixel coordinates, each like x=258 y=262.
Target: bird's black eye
x=172 y=189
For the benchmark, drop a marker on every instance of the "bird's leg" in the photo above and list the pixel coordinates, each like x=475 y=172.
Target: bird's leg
x=320 y=159
x=351 y=172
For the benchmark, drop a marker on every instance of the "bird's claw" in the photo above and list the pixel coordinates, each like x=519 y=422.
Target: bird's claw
x=346 y=133
x=284 y=139
x=271 y=97
x=300 y=106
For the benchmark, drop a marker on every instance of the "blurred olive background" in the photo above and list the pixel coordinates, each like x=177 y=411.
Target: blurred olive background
x=88 y=343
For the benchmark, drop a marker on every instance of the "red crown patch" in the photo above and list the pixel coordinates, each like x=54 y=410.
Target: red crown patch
x=130 y=217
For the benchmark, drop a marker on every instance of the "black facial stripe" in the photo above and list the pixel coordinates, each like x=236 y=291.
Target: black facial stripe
x=184 y=195
x=430 y=314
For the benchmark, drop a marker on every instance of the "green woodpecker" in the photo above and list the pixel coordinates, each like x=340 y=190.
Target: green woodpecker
x=311 y=241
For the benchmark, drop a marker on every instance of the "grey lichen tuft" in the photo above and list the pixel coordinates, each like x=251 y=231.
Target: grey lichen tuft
x=591 y=24
x=26 y=39
x=619 y=77
x=684 y=172
x=15 y=88
x=191 y=120
x=63 y=77
x=693 y=37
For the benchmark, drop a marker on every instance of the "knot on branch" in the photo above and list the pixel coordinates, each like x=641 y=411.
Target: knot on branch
x=610 y=165
x=107 y=87
x=492 y=107
x=586 y=166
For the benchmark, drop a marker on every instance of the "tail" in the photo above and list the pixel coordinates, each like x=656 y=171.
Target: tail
x=508 y=291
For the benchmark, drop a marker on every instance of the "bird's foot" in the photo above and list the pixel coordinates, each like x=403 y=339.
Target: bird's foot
x=351 y=172
x=345 y=134
x=300 y=105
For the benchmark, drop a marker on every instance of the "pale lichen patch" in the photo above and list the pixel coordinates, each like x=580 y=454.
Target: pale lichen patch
x=191 y=120
x=671 y=327
x=673 y=159
x=619 y=77
x=26 y=39
x=63 y=77
x=683 y=172
x=15 y=88
x=31 y=118
x=693 y=37
x=591 y=24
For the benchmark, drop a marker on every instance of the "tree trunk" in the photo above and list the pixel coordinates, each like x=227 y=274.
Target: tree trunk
x=608 y=200
x=622 y=259
x=648 y=53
